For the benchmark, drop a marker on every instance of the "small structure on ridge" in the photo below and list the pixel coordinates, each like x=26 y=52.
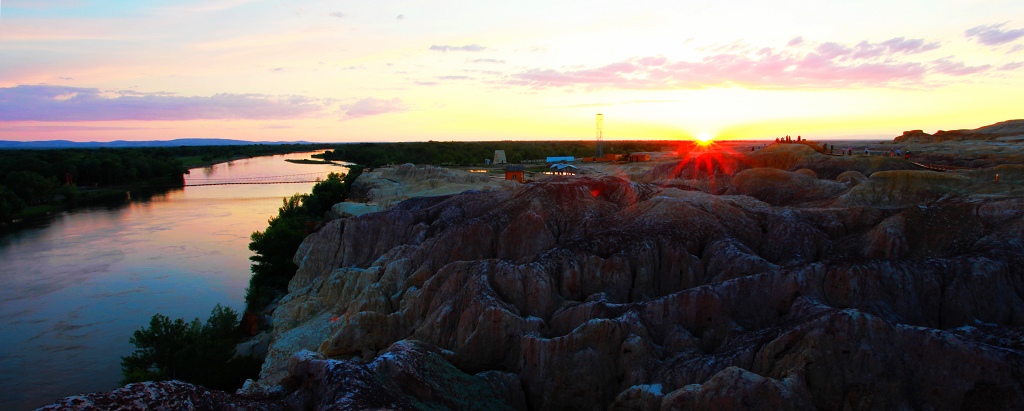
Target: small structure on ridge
x=515 y=173
x=563 y=169
x=638 y=157
x=608 y=158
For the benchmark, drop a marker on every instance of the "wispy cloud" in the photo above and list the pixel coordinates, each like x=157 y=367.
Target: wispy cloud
x=209 y=6
x=956 y=68
x=800 y=65
x=494 y=61
x=372 y=106
x=337 y=14
x=901 y=45
x=32 y=4
x=468 y=47
x=454 y=77
x=867 y=50
x=1012 y=66
x=585 y=105
x=55 y=128
x=57 y=103
x=993 y=34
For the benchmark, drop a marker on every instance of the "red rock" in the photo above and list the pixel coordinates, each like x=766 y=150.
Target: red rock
x=780 y=187
x=737 y=389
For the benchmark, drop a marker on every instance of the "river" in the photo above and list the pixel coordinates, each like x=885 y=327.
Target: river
x=74 y=289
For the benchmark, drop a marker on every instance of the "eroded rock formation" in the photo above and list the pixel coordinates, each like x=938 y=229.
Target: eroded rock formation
x=597 y=293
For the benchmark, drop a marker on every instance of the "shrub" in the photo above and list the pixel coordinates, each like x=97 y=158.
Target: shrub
x=190 y=351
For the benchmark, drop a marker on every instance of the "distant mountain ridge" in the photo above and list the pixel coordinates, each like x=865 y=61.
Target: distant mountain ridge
x=1008 y=126
x=1009 y=130
x=6 y=144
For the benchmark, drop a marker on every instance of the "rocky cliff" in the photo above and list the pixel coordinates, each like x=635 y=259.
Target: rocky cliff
x=902 y=289
x=598 y=293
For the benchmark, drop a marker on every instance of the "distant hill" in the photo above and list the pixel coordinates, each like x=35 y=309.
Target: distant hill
x=1009 y=130
x=4 y=144
x=1008 y=126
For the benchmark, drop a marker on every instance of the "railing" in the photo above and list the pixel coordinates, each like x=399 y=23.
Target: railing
x=279 y=179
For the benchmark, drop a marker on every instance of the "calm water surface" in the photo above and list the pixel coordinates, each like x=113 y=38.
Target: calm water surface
x=73 y=291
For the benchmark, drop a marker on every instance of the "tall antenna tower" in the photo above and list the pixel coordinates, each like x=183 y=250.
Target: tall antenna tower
x=600 y=135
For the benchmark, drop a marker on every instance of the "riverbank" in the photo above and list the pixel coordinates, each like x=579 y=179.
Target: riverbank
x=76 y=198
x=206 y=156
x=78 y=284
x=32 y=194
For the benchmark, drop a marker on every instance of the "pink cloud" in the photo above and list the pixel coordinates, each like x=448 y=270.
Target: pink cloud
x=833 y=50
x=372 y=106
x=59 y=103
x=825 y=65
x=64 y=129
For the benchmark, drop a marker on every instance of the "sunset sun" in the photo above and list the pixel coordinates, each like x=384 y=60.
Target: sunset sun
x=705 y=139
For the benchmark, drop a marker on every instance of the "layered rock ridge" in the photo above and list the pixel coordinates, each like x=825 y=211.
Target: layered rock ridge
x=602 y=293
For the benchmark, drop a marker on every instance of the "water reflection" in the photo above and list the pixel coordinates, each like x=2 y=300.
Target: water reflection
x=73 y=290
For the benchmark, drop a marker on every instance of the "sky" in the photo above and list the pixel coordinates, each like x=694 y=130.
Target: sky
x=386 y=70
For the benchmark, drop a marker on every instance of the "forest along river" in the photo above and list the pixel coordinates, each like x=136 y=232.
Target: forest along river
x=73 y=290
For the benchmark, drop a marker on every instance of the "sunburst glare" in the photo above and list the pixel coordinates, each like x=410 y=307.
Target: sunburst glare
x=705 y=139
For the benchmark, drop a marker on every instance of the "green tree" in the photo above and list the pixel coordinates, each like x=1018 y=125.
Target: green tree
x=31 y=187
x=325 y=195
x=274 y=247
x=273 y=250
x=190 y=351
x=70 y=194
x=10 y=204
